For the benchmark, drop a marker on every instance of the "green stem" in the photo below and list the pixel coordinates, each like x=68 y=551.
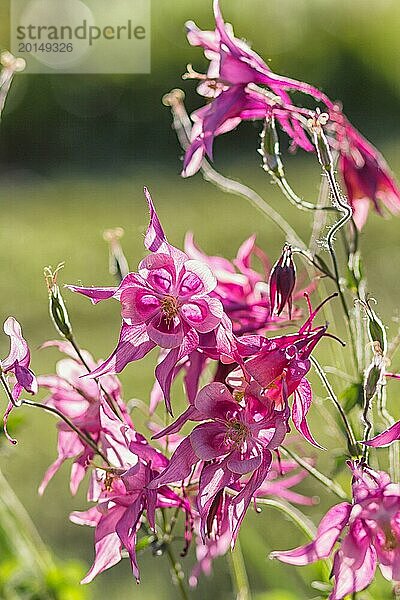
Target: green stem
x=301 y=522
x=238 y=573
x=351 y=440
x=51 y=409
x=178 y=575
x=331 y=485
x=294 y=514
x=109 y=399
x=394 y=466
x=83 y=436
x=182 y=126
x=347 y=216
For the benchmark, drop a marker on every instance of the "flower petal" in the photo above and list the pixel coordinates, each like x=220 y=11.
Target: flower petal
x=328 y=533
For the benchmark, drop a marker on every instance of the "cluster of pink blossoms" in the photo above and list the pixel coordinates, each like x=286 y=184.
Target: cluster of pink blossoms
x=208 y=319
x=207 y=316
x=239 y=86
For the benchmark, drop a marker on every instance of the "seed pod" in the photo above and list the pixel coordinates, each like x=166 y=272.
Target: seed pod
x=373 y=377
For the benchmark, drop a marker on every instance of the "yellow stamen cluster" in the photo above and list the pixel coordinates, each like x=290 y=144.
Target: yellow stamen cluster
x=169 y=307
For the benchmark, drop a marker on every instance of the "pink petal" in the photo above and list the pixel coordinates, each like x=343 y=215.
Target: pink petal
x=180 y=465
x=107 y=544
x=386 y=437
x=126 y=530
x=19 y=351
x=165 y=373
x=301 y=404
x=209 y=440
x=214 y=401
x=354 y=563
x=139 y=305
x=166 y=334
x=328 y=533
x=96 y=294
x=245 y=462
x=155 y=236
x=197 y=278
x=240 y=503
x=214 y=477
x=133 y=344
x=204 y=314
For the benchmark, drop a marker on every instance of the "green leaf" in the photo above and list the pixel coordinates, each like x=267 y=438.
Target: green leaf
x=352 y=396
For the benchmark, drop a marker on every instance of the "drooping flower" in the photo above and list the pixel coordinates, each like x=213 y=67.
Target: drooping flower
x=79 y=399
x=366 y=175
x=239 y=433
x=124 y=495
x=17 y=364
x=233 y=67
x=167 y=303
x=369 y=535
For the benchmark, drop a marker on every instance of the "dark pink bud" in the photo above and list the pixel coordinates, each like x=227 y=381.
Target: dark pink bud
x=282 y=281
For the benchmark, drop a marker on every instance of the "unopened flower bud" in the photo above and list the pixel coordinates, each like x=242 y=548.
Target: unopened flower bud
x=58 y=310
x=373 y=377
x=270 y=150
x=282 y=281
x=376 y=330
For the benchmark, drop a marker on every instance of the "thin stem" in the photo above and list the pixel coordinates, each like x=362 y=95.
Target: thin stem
x=182 y=126
x=394 y=465
x=291 y=195
x=310 y=259
x=351 y=440
x=83 y=436
x=177 y=572
x=305 y=525
x=367 y=424
x=238 y=573
x=347 y=216
x=331 y=485
x=109 y=399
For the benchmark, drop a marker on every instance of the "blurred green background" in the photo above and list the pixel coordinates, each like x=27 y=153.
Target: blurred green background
x=75 y=152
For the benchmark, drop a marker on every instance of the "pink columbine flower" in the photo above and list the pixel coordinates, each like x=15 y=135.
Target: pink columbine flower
x=167 y=303
x=239 y=433
x=124 y=495
x=17 y=364
x=366 y=175
x=280 y=366
x=282 y=281
x=233 y=67
x=79 y=399
x=369 y=535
